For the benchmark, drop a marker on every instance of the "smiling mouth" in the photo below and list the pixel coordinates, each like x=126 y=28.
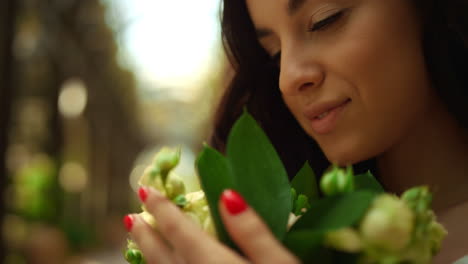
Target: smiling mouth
x=324 y=114
x=326 y=121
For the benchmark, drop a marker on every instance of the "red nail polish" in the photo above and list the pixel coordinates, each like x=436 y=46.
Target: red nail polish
x=233 y=202
x=128 y=222
x=143 y=193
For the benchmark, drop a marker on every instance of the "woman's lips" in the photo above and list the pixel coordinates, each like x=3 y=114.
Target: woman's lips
x=323 y=117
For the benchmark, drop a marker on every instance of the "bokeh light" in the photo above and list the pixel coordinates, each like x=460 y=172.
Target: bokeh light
x=73 y=98
x=73 y=177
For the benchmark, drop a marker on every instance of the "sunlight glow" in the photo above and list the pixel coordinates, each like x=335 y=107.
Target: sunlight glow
x=172 y=43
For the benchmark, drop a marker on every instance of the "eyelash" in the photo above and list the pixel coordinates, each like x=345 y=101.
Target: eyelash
x=318 y=26
x=322 y=24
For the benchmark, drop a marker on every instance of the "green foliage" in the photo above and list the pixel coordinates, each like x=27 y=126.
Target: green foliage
x=253 y=168
x=260 y=175
x=335 y=212
x=215 y=176
x=305 y=182
x=330 y=229
x=293 y=197
x=367 y=181
x=307 y=245
x=301 y=205
x=306 y=237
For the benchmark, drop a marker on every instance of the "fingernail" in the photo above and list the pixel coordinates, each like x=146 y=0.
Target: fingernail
x=128 y=222
x=233 y=202
x=143 y=193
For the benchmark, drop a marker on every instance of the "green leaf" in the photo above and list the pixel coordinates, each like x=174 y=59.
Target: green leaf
x=302 y=202
x=367 y=181
x=259 y=174
x=305 y=238
x=345 y=258
x=253 y=168
x=335 y=212
x=305 y=182
x=215 y=176
x=293 y=199
x=307 y=246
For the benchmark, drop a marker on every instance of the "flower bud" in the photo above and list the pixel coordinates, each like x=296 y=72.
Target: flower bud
x=149 y=179
x=418 y=198
x=166 y=159
x=437 y=234
x=388 y=224
x=337 y=181
x=134 y=256
x=174 y=185
x=180 y=201
x=345 y=239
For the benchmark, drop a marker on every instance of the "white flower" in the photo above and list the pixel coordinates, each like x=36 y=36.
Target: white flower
x=174 y=185
x=344 y=239
x=149 y=219
x=388 y=225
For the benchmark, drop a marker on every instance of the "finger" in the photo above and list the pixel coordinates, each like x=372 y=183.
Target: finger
x=194 y=245
x=149 y=242
x=250 y=233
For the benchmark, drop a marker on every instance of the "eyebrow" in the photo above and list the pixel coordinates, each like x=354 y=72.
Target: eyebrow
x=293 y=7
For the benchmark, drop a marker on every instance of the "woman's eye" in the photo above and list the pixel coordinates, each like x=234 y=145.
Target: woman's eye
x=322 y=24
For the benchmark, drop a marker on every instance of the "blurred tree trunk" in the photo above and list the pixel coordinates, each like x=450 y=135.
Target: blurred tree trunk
x=83 y=46
x=57 y=41
x=7 y=15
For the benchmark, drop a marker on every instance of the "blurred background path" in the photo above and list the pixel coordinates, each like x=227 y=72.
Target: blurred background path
x=89 y=91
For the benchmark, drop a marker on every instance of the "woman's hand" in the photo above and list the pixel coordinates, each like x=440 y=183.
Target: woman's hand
x=179 y=240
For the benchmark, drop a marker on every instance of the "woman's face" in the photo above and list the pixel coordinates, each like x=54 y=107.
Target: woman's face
x=352 y=72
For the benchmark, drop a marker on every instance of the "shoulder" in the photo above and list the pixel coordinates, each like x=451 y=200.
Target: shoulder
x=463 y=260
x=455 y=244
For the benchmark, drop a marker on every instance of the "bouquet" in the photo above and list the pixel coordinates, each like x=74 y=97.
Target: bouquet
x=343 y=218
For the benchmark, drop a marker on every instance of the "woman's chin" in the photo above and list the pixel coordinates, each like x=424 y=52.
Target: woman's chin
x=343 y=159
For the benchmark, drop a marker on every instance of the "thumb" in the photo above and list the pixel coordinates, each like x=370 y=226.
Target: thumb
x=249 y=232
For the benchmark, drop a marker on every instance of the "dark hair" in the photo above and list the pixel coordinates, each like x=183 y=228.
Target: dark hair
x=255 y=82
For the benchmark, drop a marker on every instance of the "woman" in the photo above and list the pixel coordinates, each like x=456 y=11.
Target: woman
x=380 y=84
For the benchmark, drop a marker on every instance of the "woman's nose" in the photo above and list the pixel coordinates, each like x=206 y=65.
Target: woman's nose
x=299 y=73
